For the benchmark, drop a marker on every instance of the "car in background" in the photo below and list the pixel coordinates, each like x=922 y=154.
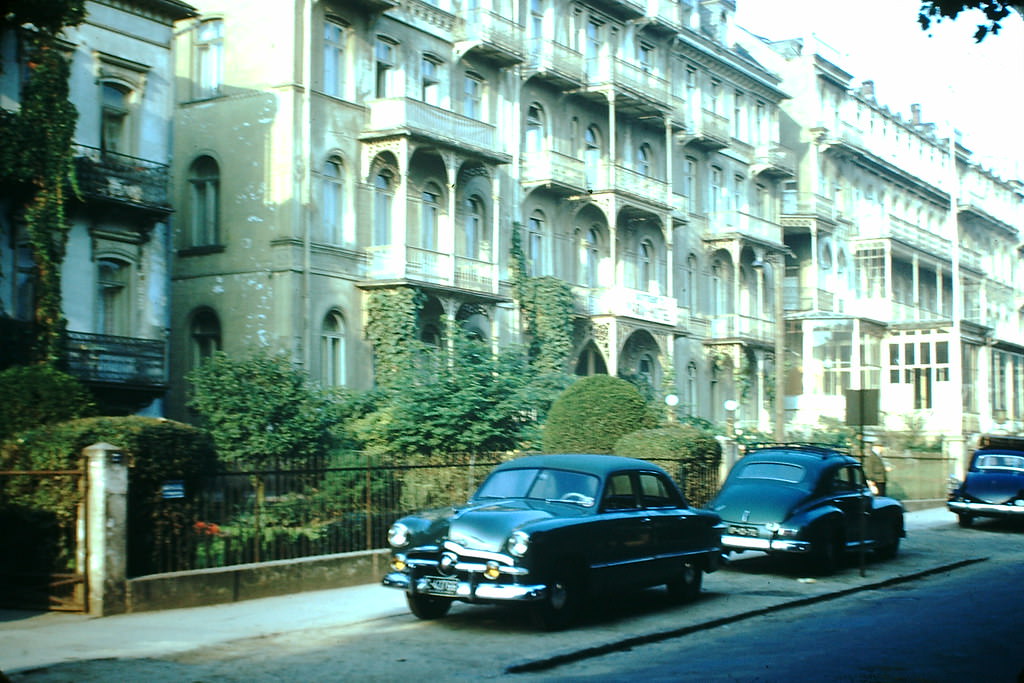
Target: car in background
x=805 y=499
x=551 y=530
x=994 y=485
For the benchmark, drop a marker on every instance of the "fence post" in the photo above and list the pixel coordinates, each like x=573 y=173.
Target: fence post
x=106 y=537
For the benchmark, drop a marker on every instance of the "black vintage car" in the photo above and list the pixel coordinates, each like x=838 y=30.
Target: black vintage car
x=549 y=530
x=808 y=499
x=994 y=485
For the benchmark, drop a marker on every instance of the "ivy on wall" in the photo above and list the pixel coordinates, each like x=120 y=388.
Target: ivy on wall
x=548 y=308
x=391 y=328
x=38 y=169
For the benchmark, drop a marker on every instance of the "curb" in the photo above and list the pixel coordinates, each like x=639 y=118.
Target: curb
x=658 y=636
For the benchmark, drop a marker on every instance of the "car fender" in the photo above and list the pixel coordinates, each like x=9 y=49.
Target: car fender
x=812 y=520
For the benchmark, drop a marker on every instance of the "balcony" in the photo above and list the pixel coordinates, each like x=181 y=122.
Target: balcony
x=404 y=116
x=555 y=63
x=629 y=303
x=489 y=35
x=710 y=131
x=665 y=14
x=797 y=298
x=775 y=160
x=808 y=204
x=553 y=168
x=913 y=236
x=628 y=181
x=735 y=325
x=109 y=360
x=680 y=207
x=736 y=223
x=636 y=89
x=121 y=180
x=392 y=262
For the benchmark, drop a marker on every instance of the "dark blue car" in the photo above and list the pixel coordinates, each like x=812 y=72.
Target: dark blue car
x=994 y=485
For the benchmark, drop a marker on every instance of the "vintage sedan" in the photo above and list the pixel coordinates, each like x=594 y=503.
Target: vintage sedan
x=805 y=499
x=994 y=485
x=550 y=530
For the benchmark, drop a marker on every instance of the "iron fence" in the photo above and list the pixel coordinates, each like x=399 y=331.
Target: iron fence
x=246 y=517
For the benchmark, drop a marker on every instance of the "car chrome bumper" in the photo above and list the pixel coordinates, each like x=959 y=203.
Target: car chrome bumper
x=765 y=544
x=994 y=509
x=472 y=592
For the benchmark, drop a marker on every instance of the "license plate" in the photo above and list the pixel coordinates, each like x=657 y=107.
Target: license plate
x=441 y=585
x=742 y=530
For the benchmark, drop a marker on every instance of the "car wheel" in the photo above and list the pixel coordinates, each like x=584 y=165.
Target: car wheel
x=826 y=552
x=428 y=606
x=889 y=544
x=966 y=521
x=685 y=586
x=561 y=603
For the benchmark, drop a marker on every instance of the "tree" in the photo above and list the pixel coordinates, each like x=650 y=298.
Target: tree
x=37 y=395
x=994 y=10
x=592 y=414
x=262 y=411
x=467 y=400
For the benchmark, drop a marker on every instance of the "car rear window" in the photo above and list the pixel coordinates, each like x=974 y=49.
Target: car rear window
x=999 y=461
x=775 y=471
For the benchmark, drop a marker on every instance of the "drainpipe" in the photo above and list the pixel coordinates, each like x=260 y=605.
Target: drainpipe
x=305 y=206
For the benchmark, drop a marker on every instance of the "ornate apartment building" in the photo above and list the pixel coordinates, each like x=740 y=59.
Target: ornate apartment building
x=327 y=149
x=115 y=276
x=904 y=270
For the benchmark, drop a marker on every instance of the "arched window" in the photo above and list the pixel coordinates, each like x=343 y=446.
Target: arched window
x=534 y=129
x=204 y=184
x=473 y=226
x=643 y=160
x=536 y=264
x=332 y=350
x=592 y=155
x=691 y=282
x=204 y=337
x=114 y=128
x=114 y=297
x=209 y=58
x=645 y=267
x=332 y=200
x=430 y=216
x=691 y=388
x=383 y=194
x=591 y=258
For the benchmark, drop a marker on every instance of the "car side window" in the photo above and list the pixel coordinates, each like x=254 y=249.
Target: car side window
x=619 y=493
x=655 y=491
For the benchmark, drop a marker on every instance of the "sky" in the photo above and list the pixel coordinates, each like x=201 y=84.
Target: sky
x=977 y=87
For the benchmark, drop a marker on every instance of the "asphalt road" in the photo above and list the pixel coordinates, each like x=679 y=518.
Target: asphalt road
x=366 y=634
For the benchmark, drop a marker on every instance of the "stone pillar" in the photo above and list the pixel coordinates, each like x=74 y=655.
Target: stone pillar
x=107 y=524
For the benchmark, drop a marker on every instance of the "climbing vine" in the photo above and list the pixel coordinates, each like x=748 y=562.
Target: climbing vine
x=548 y=308
x=38 y=169
x=391 y=328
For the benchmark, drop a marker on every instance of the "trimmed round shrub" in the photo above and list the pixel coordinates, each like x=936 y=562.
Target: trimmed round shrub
x=696 y=453
x=593 y=413
x=36 y=395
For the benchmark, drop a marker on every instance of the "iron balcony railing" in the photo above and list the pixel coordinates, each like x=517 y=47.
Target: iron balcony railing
x=116 y=360
x=121 y=178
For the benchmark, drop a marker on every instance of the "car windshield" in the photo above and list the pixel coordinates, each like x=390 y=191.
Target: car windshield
x=541 y=484
x=774 y=471
x=999 y=461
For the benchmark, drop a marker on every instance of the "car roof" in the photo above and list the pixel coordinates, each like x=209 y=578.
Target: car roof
x=808 y=455
x=583 y=462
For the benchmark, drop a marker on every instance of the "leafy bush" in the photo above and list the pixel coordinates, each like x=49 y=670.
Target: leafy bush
x=593 y=413
x=36 y=395
x=699 y=454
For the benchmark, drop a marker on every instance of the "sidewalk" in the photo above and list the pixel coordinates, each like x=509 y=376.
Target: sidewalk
x=34 y=639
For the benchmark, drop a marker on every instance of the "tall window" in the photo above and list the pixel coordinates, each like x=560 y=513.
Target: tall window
x=737 y=200
x=430 y=81
x=114 y=299
x=645 y=56
x=534 y=129
x=738 y=127
x=204 y=184
x=591 y=156
x=335 y=37
x=761 y=123
x=535 y=25
x=384 y=55
x=645 y=267
x=643 y=160
x=690 y=179
x=690 y=283
x=332 y=200
x=430 y=217
x=473 y=226
x=332 y=350
x=209 y=62
x=535 y=262
x=715 y=191
x=591 y=258
x=715 y=97
x=383 y=194
x=205 y=337
x=114 y=126
x=473 y=97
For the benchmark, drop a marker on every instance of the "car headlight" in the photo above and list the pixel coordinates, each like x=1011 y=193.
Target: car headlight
x=518 y=543
x=398 y=535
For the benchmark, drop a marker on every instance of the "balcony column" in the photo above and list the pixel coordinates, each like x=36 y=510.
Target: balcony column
x=915 y=278
x=446 y=240
x=492 y=257
x=815 y=266
x=399 y=226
